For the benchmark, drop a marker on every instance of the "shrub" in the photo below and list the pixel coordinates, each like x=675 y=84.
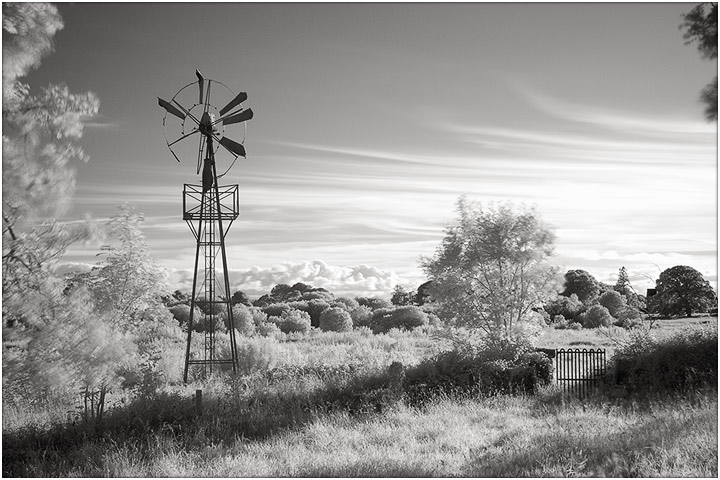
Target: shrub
x=597 y=316
x=346 y=303
x=276 y=309
x=243 y=320
x=406 y=317
x=268 y=329
x=559 y=322
x=374 y=303
x=569 y=307
x=335 y=319
x=294 y=321
x=259 y=317
x=507 y=366
x=614 y=302
x=683 y=362
x=314 y=309
x=361 y=316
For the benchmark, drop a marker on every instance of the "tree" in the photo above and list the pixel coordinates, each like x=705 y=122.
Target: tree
x=129 y=280
x=491 y=268
x=422 y=295
x=582 y=284
x=335 y=319
x=700 y=26
x=400 y=296
x=682 y=290
x=597 y=316
x=240 y=297
x=39 y=148
x=614 y=302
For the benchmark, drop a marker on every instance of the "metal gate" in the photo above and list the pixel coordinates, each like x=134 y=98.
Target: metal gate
x=579 y=371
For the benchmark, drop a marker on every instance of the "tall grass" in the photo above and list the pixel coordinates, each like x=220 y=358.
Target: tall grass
x=493 y=437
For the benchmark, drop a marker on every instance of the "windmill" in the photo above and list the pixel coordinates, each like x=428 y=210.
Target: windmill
x=196 y=128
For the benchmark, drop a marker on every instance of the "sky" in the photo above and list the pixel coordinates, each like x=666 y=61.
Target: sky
x=371 y=119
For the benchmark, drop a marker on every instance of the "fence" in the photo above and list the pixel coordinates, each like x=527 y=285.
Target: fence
x=579 y=371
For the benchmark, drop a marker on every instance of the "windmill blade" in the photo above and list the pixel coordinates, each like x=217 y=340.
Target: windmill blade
x=241 y=97
x=240 y=117
x=171 y=109
x=201 y=82
x=232 y=146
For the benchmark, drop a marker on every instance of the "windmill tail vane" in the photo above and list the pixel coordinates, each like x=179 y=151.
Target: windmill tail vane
x=199 y=121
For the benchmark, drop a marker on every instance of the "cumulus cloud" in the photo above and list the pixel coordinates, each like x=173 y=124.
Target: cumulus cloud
x=352 y=280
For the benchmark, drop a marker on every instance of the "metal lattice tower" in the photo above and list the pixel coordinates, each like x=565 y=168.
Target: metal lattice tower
x=209 y=210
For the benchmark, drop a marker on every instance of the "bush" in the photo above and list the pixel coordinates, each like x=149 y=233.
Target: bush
x=269 y=329
x=614 y=302
x=276 y=309
x=294 y=321
x=243 y=320
x=559 y=322
x=361 y=316
x=597 y=316
x=407 y=317
x=509 y=366
x=314 y=309
x=335 y=319
x=374 y=303
x=346 y=303
x=569 y=307
x=681 y=363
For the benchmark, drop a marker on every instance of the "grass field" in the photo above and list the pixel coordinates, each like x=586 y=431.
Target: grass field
x=519 y=436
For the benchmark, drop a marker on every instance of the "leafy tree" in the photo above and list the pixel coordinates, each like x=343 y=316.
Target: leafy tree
x=347 y=303
x=240 y=297
x=569 y=308
x=129 y=280
x=582 y=284
x=682 y=290
x=314 y=309
x=361 y=316
x=700 y=26
x=624 y=287
x=491 y=269
x=405 y=317
x=614 y=302
x=597 y=316
x=422 y=296
x=336 y=319
x=400 y=296
x=39 y=150
x=373 y=303
x=294 y=321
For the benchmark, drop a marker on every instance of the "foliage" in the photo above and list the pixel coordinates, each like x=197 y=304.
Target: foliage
x=276 y=309
x=361 y=316
x=683 y=362
x=682 y=290
x=491 y=268
x=39 y=152
x=400 y=296
x=700 y=26
x=569 y=307
x=480 y=366
x=315 y=307
x=294 y=321
x=406 y=317
x=374 y=303
x=335 y=319
x=129 y=280
x=597 y=316
x=243 y=319
x=346 y=303
x=269 y=328
x=240 y=297
x=582 y=284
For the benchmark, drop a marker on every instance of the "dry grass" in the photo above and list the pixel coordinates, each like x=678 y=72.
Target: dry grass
x=500 y=437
